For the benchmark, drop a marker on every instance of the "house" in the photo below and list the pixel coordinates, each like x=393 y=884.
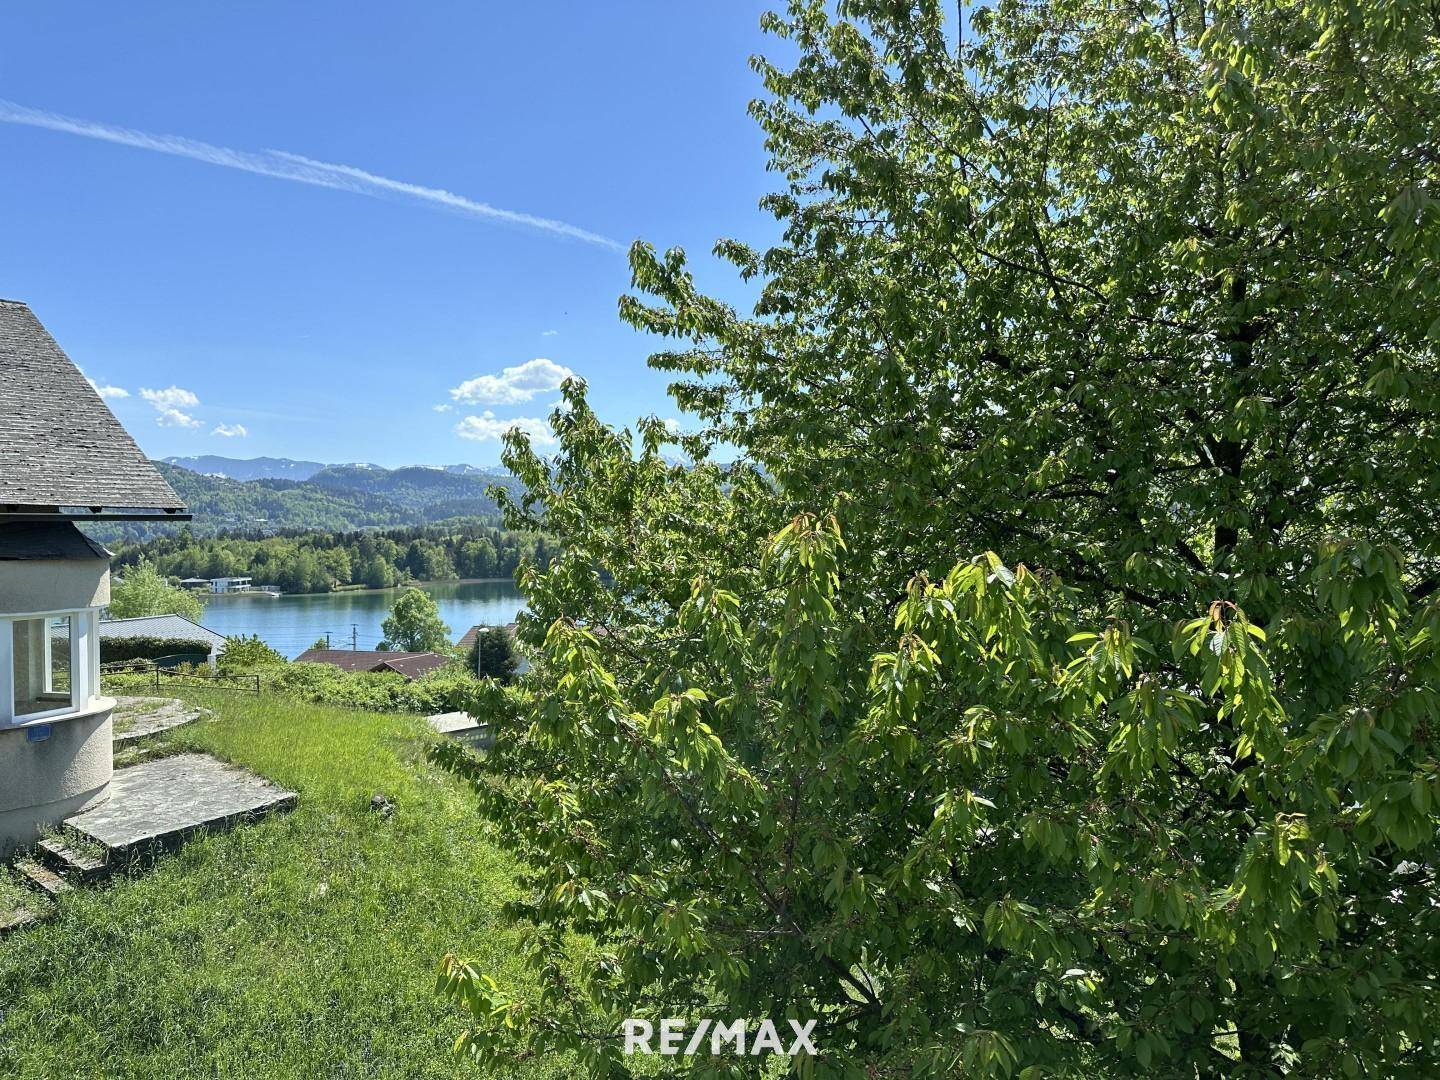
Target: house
x=63 y=458
x=412 y=665
x=467 y=639
x=216 y=585
x=168 y=627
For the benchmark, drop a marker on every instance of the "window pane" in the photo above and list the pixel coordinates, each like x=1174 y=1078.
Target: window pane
x=42 y=664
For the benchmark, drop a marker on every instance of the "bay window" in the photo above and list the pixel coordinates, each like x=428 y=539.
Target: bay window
x=49 y=665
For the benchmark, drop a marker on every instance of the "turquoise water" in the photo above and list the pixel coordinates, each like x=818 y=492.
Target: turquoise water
x=291 y=624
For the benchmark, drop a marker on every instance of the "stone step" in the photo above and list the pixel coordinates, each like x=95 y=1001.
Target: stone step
x=13 y=919
x=39 y=876
x=141 y=717
x=71 y=862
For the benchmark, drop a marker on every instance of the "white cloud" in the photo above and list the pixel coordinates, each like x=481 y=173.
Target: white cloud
x=443 y=407
x=514 y=384
x=488 y=426
x=230 y=431
x=168 y=417
x=671 y=425
x=170 y=405
x=110 y=393
x=549 y=333
x=173 y=396
x=286 y=166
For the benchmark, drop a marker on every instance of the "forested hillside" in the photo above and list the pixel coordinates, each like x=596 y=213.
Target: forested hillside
x=336 y=499
x=310 y=562
x=434 y=492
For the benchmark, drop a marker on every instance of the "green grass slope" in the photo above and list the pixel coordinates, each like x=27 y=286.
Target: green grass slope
x=303 y=946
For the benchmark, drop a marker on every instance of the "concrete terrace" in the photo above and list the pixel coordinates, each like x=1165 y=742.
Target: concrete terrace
x=158 y=803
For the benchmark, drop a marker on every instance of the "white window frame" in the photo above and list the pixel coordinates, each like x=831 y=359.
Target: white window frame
x=84 y=665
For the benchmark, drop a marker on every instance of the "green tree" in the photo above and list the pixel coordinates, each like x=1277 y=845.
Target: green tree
x=143 y=590
x=1049 y=687
x=476 y=558
x=376 y=573
x=493 y=655
x=338 y=566
x=414 y=625
x=428 y=561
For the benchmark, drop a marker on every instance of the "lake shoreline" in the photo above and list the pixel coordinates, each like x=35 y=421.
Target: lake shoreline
x=294 y=622
x=351 y=591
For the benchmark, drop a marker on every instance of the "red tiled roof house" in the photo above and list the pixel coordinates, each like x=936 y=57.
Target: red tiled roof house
x=412 y=665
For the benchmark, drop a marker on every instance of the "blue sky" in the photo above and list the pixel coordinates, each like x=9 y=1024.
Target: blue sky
x=272 y=218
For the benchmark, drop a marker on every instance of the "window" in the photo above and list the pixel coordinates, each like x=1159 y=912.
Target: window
x=49 y=665
x=41 y=654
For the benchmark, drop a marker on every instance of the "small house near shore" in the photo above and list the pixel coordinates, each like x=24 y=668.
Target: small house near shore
x=63 y=458
x=217 y=584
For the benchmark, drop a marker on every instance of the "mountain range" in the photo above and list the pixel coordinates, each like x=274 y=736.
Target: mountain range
x=271 y=468
x=279 y=494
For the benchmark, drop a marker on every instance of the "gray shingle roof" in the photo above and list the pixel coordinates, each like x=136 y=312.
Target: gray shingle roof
x=60 y=445
x=160 y=626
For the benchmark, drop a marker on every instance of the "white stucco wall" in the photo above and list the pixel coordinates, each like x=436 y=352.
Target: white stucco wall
x=44 y=782
x=28 y=585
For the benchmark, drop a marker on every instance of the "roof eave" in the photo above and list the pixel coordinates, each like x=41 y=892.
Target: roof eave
x=25 y=512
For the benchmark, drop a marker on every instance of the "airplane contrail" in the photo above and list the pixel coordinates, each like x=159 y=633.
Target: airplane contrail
x=286 y=166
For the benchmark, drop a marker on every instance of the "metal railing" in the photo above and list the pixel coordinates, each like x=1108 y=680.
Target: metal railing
x=145 y=663
x=159 y=673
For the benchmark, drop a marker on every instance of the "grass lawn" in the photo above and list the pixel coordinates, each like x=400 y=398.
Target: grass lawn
x=303 y=946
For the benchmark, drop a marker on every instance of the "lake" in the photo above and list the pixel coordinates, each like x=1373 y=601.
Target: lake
x=291 y=624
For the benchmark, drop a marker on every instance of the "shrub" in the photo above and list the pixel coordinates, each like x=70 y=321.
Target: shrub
x=128 y=682
x=246 y=654
x=448 y=689
x=445 y=690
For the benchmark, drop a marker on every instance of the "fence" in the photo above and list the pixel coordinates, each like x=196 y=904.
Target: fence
x=161 y=672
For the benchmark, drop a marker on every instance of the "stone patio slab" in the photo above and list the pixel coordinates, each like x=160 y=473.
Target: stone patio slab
x=140 y=717
x=161 y=801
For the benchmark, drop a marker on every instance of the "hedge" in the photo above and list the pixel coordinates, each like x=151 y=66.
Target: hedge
x=113 y=649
